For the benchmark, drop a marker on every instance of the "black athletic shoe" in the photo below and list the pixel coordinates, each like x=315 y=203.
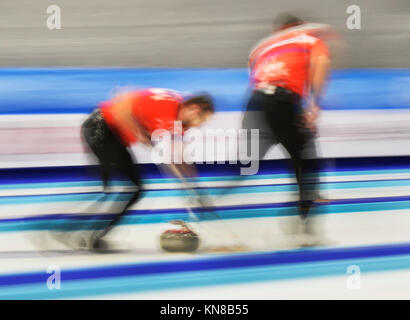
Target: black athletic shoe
x=96 y=243
x=99 y=245
x=305 y=207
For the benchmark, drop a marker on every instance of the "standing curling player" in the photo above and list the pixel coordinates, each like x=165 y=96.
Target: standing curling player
x=286 y=67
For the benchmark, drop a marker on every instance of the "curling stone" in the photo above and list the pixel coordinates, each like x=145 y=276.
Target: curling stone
x=179 y=240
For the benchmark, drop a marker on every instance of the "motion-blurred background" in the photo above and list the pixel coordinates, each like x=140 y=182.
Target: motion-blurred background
x=51 y=79
x=190 y=33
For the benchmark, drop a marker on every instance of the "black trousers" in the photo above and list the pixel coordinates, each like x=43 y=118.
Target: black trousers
x=278 y=118
x=112 y=155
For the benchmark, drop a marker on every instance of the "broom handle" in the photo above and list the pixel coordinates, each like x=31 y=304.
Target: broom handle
x=191 y=187
x=178 y=174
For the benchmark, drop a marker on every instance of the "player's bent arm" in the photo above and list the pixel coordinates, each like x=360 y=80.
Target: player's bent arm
x=142 y=134
x=319 y=66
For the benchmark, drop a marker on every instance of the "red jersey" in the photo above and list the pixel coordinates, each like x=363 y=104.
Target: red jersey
x=151 y=108
x=283 y=59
